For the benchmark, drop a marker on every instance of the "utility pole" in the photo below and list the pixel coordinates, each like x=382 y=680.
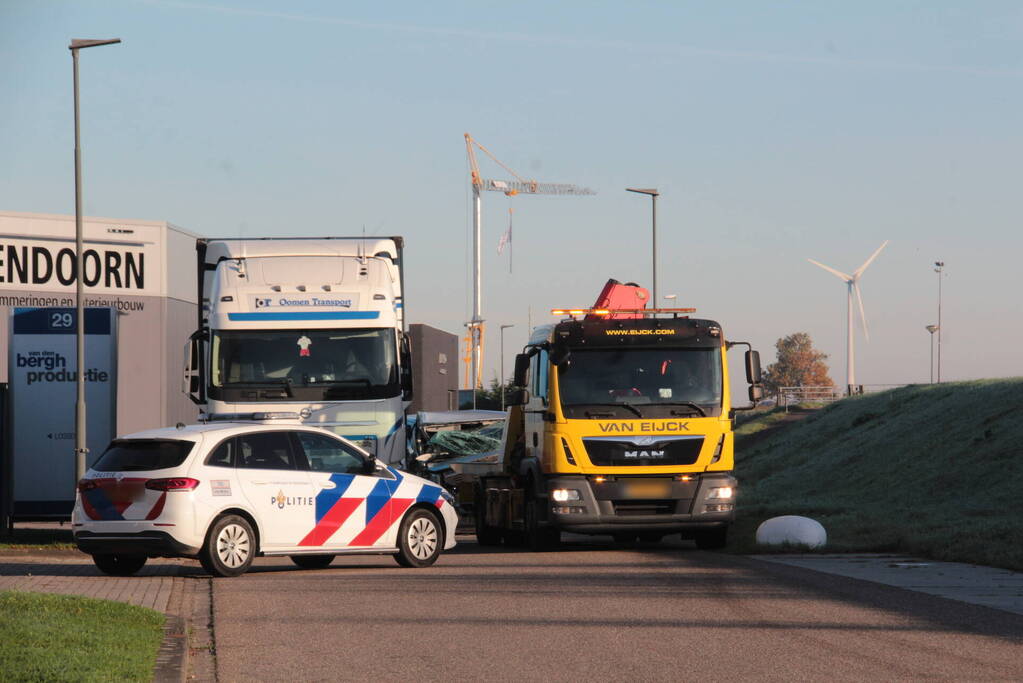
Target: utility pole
x=654 y=194
x=939 y=268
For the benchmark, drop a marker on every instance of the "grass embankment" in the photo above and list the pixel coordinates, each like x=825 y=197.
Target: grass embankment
x=66 y=638
x=932 y=470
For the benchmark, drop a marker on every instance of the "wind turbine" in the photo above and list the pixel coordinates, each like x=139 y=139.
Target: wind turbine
x=852 y=281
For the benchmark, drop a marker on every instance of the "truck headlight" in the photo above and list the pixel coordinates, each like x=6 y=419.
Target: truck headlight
x=562 y=495
x=721 y=493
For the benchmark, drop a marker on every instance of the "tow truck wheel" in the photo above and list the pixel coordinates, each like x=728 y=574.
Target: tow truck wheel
x=485 y=534
x=119 y=565
x=536 y=536
x=312 y=561
x=711 y=539
x=420 y=539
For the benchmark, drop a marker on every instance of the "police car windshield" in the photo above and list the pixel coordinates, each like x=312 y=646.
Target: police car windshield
x=602 y=383
x=143 y=455
x=305 y=364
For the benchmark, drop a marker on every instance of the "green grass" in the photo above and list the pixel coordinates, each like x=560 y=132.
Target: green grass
x=65 y=638
x=44 y=539
x=931 y=470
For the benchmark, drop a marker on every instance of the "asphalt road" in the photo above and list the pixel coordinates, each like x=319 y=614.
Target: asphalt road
x=596 y=611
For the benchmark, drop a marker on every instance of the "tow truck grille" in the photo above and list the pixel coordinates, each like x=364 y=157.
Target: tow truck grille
x=624 y=508
x=643 y=450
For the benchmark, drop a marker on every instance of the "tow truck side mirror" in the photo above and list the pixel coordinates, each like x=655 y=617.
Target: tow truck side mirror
x=753 y=375
x=756 y=392
x=519 y=378
x=519 y=397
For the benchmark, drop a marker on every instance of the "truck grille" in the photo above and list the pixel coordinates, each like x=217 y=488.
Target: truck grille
x=619 y=451
x=625 y=508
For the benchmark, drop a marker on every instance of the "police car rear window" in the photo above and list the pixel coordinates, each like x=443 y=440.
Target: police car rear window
x=130 y=455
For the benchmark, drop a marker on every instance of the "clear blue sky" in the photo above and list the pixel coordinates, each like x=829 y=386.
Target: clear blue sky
x=776 y=132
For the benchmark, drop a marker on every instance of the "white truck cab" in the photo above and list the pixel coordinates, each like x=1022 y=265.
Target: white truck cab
x=310 y=326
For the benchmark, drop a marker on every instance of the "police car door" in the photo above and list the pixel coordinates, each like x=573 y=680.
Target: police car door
x=276 y=485
x=354 y=507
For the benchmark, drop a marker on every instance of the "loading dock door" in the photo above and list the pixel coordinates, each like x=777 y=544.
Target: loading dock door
x=43 y=390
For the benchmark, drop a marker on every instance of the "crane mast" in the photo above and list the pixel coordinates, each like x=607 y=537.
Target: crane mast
x=511 y=188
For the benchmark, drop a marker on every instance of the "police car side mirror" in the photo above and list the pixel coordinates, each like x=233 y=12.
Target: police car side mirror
x=369 y=466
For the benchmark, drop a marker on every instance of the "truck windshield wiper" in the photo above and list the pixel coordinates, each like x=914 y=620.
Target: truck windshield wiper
x=285 y=382
x=628 y=406
x=362 y=381
x=687 y=404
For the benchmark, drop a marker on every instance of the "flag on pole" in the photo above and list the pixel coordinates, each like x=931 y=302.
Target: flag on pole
x=506 y=239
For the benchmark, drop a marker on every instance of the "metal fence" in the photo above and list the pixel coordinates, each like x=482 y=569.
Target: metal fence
x=790 y=396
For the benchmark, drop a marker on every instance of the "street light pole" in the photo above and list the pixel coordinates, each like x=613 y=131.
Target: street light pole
x=654 y=194
x=939 y=268
x=932 y=329
x=501 y=384
x=80 y=443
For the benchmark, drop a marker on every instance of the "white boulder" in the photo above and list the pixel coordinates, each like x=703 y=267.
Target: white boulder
x=792 y=530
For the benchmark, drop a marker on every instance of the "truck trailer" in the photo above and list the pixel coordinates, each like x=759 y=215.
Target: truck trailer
x=621 y=425
x=312 y=327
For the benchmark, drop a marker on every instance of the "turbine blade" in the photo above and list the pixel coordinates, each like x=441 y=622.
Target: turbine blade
x=859 y=271
x=863 y=316
x=838 y=273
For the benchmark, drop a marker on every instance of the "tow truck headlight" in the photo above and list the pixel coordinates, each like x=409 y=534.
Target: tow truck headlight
x=562 y=495
x=721 y=493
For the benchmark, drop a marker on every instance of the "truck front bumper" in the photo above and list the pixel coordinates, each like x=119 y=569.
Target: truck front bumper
x=641 y=503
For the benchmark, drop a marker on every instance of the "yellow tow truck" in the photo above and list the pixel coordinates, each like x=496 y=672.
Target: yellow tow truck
x=621 y=424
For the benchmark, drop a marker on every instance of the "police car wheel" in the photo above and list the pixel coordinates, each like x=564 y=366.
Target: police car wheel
x=230 y=547
x=119 y=565
x=312 y=561
x=420 y=539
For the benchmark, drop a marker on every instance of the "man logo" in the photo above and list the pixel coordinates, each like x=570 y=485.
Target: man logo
x=644 y=454
x=263 y=303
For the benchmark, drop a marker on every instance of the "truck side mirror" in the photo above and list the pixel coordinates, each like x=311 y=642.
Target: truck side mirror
x=405 y=368
x=753 y=375
x=519 y=397
x=756 y=392
x=519 y=378
x=191 y=383
x=560 y=355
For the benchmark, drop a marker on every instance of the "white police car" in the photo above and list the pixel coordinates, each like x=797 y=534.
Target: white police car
x=227 y=492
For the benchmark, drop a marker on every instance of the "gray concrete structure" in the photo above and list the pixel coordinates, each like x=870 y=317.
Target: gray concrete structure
x=145 y=272
x=435 y=368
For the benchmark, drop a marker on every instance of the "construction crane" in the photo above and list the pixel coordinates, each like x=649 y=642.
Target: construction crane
x=511 y=188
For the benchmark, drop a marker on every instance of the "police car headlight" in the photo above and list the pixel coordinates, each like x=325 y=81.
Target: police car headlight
x=562 y=495
x=721 y=492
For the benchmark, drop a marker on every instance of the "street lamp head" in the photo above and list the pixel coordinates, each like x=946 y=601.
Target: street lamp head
x=671 y=297
x=939 y=264
x=650 y=191
x=505 y=327
x=932 y=328
x=79 y=43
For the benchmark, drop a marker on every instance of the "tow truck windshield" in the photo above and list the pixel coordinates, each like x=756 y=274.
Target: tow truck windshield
x=635 y=382
x=351 y=364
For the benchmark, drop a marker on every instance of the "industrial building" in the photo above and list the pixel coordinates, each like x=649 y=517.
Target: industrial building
x=140 y=294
